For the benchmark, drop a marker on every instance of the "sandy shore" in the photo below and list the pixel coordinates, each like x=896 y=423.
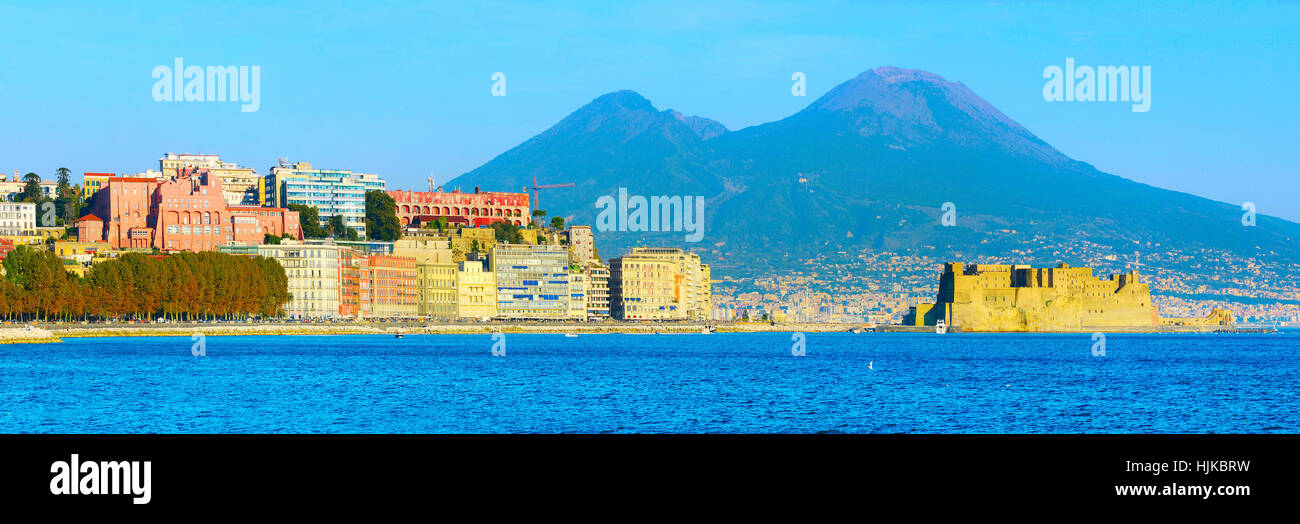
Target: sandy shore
x=25 y=335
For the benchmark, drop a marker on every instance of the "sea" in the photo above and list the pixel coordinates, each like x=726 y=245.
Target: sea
x=657 y=383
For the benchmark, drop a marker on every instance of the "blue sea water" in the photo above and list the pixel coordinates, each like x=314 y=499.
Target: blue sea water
x=721 y=383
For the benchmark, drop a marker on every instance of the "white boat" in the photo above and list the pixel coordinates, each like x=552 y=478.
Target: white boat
x=708 y=330
x=570 y=335
x=940 y=327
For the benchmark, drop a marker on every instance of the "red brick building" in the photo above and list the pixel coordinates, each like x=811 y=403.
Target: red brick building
x=473 y=209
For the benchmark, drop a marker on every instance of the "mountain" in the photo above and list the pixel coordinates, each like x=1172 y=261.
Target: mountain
x=868 y=166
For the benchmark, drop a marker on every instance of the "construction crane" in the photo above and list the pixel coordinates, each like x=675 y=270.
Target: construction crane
x=536 y=204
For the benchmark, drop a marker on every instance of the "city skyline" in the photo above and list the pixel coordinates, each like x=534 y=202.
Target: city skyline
x=437 y=113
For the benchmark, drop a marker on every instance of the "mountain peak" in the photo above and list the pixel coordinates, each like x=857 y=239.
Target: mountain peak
x=910 y=106
x=625 y=100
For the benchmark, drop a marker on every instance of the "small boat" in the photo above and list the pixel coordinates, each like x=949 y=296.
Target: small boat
x=399 y=335
x=570 y=335
x=708 y=330
x=856 y=330
x=940 y=327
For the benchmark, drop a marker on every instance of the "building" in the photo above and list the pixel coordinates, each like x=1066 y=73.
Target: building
x=332 y=192
x=187 y=212
x=92 y=182
x=476 y=290
x=17 y=218
x=582 y=244
x=579 y=284
x=312 y=268
x=597 y=290
x=240 y=185
x=81 y=252
x=656 y=283
x=469 y=209
x=1003 y=297
x=354 y=284
x=393 y=291
x=532 y=281
x=14 y=188
x=435 y=276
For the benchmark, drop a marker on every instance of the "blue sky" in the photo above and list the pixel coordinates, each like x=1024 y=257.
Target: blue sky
x=405 y=89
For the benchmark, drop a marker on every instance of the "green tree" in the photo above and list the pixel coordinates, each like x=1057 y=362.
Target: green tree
x=539 y=215
x=270 y=239
x=32 y=188
x=557 y=223
x=309 y=220
x=381 y=217
x=507 y=232
x=67 y=200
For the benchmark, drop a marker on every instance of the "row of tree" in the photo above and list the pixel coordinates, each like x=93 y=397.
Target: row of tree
x=183 y=286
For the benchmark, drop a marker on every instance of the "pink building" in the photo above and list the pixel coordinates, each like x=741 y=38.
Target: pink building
x=185 y=213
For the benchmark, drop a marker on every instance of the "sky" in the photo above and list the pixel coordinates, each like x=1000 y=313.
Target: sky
x=405 y=89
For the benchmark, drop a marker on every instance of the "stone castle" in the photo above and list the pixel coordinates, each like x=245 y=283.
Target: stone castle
x=1004 y=297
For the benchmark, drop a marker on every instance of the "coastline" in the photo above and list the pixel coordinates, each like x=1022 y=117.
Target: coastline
x=54 y=333
x=58 y=331
x=27 y=335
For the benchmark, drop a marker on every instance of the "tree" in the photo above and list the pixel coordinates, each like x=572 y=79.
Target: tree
x=539 y=215
x=381 y=217
x=557 y=223
x=32 y=190
x=270 y=239
x=64 y=176
x=67 y=199
x=507 y=232
x=309 y=220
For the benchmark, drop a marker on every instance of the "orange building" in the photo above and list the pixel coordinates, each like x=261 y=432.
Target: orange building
x=472 y=209
x=393 y=286
x=354 y=284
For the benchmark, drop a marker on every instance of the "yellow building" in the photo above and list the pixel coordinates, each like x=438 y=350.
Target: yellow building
x=656 y=283
x=579 y=292
x=91 y=182
x=82 y=252
x=1003 y=297
x=476 y=290
x=435 y=275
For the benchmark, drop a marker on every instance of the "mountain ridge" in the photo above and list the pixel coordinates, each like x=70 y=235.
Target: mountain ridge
x=865 y=166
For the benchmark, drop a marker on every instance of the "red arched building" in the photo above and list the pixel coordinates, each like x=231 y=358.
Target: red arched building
x=473 y=209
